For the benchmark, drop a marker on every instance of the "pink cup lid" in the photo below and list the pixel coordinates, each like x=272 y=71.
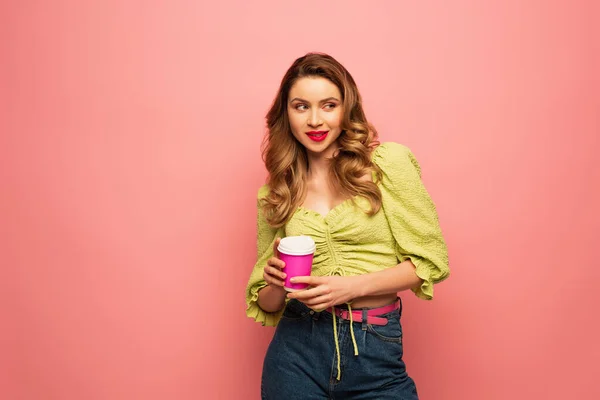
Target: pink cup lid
x=297 y=245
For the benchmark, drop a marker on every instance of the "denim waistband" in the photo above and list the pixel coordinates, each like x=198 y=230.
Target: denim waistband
x=348 y=306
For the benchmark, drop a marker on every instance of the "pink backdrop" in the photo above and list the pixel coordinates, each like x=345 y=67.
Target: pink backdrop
x=130 y=135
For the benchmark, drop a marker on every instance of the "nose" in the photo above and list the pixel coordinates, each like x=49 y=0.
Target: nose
x=314 y=119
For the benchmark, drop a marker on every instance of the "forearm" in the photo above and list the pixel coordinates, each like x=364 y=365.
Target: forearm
x=391 y=280
x=271 y=298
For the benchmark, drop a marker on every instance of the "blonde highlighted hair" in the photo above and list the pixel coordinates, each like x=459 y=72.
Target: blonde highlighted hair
x=286 y=160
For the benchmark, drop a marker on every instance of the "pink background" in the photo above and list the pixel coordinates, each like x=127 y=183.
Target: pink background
x=130 y=135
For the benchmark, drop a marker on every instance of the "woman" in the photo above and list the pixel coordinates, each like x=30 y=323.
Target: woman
x=376 y=231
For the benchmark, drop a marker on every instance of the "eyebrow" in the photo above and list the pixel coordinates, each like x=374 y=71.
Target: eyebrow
x=322 y=101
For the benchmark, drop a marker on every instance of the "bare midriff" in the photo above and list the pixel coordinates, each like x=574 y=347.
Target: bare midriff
x=374 y=301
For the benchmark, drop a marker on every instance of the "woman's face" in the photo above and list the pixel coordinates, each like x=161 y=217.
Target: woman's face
x=315 y=114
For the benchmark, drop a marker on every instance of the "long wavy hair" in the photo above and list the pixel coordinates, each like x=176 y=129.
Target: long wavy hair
x=286 y=159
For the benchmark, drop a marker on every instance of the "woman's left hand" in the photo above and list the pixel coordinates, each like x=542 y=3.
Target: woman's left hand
x=325 y=291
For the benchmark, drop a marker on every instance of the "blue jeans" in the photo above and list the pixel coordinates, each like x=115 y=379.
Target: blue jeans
x=301 y=362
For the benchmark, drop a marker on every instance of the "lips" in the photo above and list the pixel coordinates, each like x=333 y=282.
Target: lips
x=317 y=136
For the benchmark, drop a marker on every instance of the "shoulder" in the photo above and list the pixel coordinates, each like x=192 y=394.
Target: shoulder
x=395 y=157
x=263 y=192
x=391 y=149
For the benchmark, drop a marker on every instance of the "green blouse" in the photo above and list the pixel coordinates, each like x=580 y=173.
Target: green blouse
x=350 y=242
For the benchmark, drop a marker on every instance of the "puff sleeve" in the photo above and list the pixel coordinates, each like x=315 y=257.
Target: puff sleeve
x=265 y=238
x=412 y=216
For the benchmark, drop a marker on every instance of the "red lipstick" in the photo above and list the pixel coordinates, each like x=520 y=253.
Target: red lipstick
x=317 y=136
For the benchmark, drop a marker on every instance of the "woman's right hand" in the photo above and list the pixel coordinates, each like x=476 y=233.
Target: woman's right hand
x=271 y=298
x=273 y=274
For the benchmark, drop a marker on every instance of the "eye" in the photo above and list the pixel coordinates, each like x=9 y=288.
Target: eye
x=330 y=106
x=301 y=107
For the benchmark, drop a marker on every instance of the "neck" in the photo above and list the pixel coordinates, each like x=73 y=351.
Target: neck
x=318 y=164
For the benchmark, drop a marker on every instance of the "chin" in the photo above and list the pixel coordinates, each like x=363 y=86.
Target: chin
x=318 y=148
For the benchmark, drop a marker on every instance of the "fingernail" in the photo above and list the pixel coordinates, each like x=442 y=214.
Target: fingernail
x=283 y=276
x=293 y=280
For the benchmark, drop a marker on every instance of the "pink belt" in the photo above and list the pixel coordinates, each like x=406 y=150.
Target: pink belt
x=373 y=314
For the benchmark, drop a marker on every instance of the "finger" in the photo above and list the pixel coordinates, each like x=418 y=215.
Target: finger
x=271 y=280
x=275 y=244
x=276 y=272
x=318 y=301
x=277 y=282
x=311 y=280
x=320 y=307
x=273 y=273
x=275 y=262
x=303 y=295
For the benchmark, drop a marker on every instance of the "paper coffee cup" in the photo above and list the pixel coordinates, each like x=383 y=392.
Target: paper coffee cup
x=297 y=253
